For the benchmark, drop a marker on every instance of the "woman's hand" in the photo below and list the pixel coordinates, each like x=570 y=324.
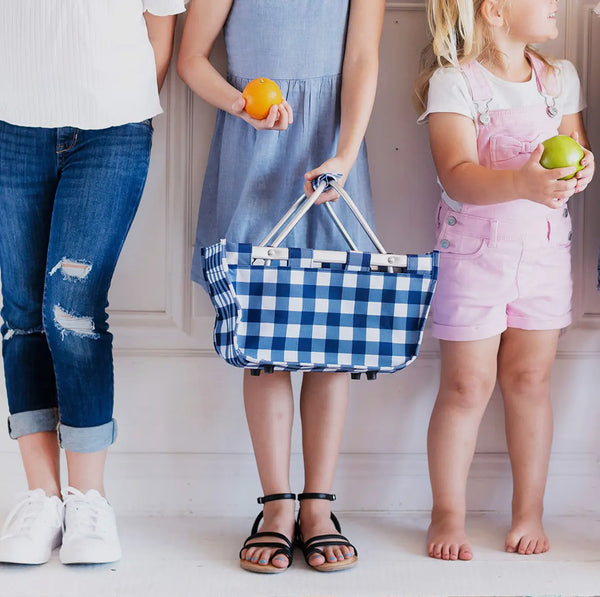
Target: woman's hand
x=584 y=177
x=333 y=165
x=536 y=183
x=279 y=117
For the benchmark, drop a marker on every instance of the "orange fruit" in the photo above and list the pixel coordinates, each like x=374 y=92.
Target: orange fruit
x=260 y=95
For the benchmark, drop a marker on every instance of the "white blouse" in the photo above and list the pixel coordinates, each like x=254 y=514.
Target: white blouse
x=82 y=63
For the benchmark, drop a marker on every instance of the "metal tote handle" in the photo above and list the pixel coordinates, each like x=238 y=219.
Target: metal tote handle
x=304 y=203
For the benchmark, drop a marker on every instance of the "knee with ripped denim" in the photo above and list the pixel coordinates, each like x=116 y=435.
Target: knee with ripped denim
x=66 y=320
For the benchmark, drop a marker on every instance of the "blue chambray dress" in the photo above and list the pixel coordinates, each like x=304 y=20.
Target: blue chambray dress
x=253 y=177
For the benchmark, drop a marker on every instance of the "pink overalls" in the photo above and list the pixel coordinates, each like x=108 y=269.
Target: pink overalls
x=507 y=264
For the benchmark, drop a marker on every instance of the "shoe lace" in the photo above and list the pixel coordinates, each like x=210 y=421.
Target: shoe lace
x=85 y=511
x=28 y=513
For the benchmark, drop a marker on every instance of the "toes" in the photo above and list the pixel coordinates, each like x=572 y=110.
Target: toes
x=523 y=545
x=464 y=552
x=450 y=551
x=280 y=561
x=331 y=554
x=546 y=546
x=260 y=558
x=436 y=551
x=256 y=555
x=511 y=544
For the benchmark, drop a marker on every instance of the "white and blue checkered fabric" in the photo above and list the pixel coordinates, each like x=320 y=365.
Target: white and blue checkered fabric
x=303 y=315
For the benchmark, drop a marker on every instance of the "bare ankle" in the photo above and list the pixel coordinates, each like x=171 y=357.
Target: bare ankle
x=279 y=510
x=447 y=515
x=528 y=513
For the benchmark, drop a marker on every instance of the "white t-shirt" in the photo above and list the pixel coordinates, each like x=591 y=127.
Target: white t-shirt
x=82 y=63
x=448 y=92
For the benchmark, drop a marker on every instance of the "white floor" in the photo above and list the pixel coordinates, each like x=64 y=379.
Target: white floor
x=191 y=556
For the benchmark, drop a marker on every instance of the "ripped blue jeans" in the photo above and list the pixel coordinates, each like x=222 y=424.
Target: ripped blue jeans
x=67 y=200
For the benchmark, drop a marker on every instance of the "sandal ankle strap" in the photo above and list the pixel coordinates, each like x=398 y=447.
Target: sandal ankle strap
x=276 y=496
x=317 y=496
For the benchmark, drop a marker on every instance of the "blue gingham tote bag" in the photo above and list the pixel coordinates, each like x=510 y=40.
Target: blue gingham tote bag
x=318 y=310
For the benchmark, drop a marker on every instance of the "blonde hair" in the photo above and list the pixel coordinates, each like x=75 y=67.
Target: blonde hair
x=459 y=35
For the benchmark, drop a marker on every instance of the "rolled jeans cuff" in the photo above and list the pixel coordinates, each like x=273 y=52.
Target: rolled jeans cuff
x=87 y=439
x=32 y=421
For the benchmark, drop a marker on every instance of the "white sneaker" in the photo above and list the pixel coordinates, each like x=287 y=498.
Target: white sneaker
x=90 y=532
x=33 y=529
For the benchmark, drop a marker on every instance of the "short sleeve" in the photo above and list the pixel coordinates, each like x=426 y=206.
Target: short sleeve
x=163 y=8
x=448 y=92
x=571 y=96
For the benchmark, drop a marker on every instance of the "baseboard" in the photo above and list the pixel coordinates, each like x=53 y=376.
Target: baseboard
x=221 y=484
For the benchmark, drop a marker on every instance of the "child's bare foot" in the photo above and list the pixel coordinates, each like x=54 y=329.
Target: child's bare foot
x=527 y=536
x=446 y=538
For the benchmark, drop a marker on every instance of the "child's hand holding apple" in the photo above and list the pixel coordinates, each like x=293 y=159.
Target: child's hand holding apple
x=561 y=151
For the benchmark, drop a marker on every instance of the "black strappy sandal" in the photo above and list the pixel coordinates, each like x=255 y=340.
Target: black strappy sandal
x=285 y=549
x=314 y=544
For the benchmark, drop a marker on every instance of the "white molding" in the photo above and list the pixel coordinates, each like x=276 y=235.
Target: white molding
x=226 y=484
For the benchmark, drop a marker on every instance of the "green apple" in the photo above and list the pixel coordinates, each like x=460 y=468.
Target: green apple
x=562 y=151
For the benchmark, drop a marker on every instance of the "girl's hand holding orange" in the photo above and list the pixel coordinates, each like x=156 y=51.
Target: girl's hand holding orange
x=262 y=106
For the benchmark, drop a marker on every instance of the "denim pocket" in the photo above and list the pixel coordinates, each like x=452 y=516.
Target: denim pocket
x=453 y=244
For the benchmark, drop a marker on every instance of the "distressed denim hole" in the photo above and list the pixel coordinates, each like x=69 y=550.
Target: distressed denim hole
x=12 y=332
x=79 y=325
x=71 y=268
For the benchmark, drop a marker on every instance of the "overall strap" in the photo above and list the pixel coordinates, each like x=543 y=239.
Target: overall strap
x=480 y=90
x=547 y=83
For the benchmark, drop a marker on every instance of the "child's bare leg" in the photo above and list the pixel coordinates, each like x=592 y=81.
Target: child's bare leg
x=524 y=367
x=467 y=381
x=323 y=405
x=270 y=411
x=86 y=470
x=40 y=455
